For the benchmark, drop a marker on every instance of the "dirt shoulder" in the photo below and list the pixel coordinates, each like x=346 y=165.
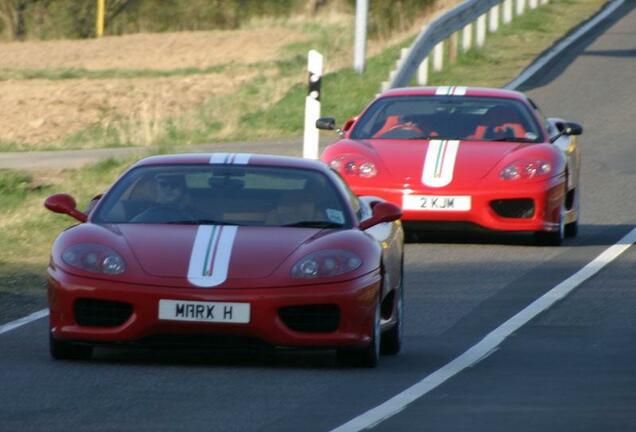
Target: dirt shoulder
x=34 y=112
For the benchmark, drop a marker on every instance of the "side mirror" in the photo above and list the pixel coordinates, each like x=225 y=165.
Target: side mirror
x=326 y=123
x=564 y=128
x=65 y=204
x=348 y=124
x=571 y=128
x=382 y=212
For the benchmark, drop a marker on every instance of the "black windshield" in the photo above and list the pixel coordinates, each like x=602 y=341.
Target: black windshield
x=224 y=195
x=448 y=117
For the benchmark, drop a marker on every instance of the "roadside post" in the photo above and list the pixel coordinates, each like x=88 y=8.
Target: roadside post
x=360 y=39
x=312 y=105
x=99 y=18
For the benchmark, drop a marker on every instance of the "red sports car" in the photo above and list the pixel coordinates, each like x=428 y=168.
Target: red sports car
x=457 y=157
x=228 y=248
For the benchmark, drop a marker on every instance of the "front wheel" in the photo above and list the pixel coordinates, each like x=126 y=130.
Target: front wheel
x=367 y=356
x=64 y=350
x=392 y=338
x=552 y=238
x=572 y=229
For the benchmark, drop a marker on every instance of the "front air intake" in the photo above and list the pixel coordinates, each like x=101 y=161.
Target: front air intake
x=522 y=208
x=101 y=313
x=318 y=318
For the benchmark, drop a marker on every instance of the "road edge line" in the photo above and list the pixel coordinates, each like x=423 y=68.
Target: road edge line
x=489 y=343
x=5 y=328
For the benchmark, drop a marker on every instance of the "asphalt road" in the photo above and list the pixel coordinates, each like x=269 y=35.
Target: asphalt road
x=570 y=369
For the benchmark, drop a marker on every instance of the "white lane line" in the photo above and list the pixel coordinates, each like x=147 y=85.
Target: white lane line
x=23 y=321
x=563 y=45
x=488 y=344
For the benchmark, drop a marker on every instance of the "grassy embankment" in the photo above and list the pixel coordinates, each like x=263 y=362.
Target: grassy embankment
x=27 y=230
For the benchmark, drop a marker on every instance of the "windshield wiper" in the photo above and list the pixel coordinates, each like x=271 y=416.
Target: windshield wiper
x=430 y=137
x=511 y=139
x=201 y=222
x=314 y=224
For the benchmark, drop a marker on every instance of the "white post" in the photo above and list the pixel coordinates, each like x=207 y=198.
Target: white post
x=521 y=7
x=493 y=24
x=312 y=105
x=467 y=37
x=422 y=72
x=481 y=31
x=532 y=4
x=438 y=57
x=362 y=12
x=507 y=11
x=403 y=53
x=544 y=2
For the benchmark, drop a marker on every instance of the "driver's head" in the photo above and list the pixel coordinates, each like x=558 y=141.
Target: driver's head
x=170 y=188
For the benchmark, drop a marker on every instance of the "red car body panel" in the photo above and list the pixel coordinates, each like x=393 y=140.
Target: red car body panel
x=400 y=164
x=158 y=256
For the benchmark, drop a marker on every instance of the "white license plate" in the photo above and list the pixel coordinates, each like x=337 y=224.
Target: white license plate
x=216 y=312
x=436 y=202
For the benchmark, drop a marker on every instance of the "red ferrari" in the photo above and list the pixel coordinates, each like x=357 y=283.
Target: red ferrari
x=228 y=248
x=458 y=157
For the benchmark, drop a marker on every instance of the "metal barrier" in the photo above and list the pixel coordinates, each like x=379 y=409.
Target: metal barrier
x=473 y=18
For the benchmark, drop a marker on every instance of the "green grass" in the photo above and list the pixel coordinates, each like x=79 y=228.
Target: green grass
x=27 y=229
x=79 y=73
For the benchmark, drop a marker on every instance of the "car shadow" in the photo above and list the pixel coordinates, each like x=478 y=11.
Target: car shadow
x=270 y=358
x=588 y=235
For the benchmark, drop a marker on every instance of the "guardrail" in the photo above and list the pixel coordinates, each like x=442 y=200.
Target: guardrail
x=473 y=19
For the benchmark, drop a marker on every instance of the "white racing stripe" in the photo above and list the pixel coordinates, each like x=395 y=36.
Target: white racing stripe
x=450 y=91
x=211 y=252
x=488 y=344
x=230 y=158
x=439 y=163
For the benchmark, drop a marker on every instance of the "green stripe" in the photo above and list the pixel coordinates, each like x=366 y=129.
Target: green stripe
x=438 y=168
x=207 y=252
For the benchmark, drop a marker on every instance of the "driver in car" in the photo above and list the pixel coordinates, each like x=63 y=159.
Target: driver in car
x=170 y=189
x=171 y=201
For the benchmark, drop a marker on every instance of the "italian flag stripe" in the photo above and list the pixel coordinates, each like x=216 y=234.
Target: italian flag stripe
x=207 y=269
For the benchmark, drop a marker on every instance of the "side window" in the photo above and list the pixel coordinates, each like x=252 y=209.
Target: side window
x=548 y=126
x=359 y=208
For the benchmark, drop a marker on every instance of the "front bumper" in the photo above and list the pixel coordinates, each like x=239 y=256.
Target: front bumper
x=355 y=300
x=546 y=196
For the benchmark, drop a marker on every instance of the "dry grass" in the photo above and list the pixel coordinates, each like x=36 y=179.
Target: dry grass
x=161 y=51
x=49 y=113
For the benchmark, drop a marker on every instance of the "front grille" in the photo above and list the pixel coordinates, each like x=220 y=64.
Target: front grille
x=522 y=208
x=318 y=318
x=101 y=313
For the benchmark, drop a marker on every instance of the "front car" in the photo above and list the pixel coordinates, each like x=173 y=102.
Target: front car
x=222 y=247
x=457 y=157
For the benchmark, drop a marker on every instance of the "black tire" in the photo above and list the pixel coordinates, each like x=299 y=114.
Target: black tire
x=364 y=357
x=552 y=238
x=411 y=237
x=392 y=338
x=572 y=229
x=65 y=350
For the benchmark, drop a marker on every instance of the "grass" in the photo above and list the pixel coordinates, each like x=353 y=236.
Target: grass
x=79 y=73
x=271 y=106
x=27 y=229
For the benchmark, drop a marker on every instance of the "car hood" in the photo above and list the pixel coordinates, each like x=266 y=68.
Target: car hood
x=404 y=160
x=200 y=252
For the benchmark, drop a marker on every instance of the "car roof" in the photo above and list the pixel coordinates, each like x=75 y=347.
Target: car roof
x=233 y=159
x=454 y=91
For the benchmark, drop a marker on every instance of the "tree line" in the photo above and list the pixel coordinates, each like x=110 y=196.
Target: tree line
x=75 y=19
